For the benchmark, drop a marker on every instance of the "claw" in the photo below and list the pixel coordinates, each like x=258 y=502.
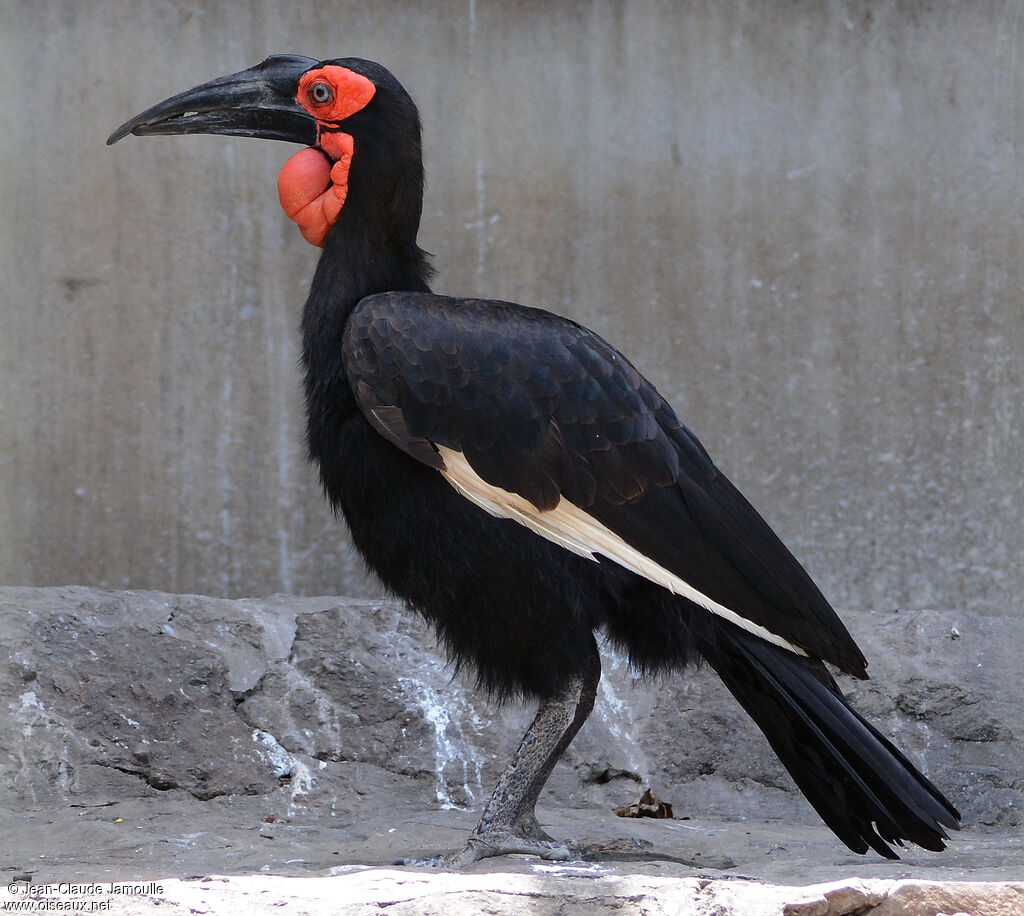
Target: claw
x=504 y=844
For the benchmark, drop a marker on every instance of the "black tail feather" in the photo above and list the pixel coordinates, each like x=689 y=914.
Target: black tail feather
x=860 y=784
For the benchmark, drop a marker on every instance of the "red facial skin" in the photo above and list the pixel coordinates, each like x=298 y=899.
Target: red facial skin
x=312 y=191
x=313 y=184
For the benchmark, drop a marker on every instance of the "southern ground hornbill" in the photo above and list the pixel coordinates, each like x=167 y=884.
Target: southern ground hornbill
x=515 y=480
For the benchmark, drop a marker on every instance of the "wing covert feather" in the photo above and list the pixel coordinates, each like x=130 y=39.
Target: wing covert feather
x=539 y=405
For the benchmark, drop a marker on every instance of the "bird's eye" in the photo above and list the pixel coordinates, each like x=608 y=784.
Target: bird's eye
x=321 y=92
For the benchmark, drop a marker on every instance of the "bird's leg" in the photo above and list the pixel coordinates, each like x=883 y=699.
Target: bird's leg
x=526 y=825
x=508 y=824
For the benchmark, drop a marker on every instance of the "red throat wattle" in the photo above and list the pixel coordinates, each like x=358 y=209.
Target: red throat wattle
x=312 y=191
x=313 y=184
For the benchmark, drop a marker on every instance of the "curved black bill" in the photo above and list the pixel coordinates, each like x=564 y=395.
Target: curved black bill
x=258 y=102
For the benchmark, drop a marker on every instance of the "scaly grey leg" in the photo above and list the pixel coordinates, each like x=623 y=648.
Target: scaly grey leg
x=526 y=823
x=508 y=824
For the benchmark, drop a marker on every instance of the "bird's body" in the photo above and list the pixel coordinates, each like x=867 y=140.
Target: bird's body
x=515 y=480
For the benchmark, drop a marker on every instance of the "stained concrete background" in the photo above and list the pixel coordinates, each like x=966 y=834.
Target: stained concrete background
x=803 y=220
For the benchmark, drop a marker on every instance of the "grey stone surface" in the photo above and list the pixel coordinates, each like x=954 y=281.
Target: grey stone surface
x=802 y=220
x=145 y=734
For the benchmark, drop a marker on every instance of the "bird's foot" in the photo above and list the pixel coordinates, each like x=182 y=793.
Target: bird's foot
x=529 y=828
x=483 y=846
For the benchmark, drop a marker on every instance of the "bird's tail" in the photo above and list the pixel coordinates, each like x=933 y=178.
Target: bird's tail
x=860 y=784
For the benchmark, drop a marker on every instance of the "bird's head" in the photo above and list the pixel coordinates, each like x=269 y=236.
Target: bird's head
x=358 y=122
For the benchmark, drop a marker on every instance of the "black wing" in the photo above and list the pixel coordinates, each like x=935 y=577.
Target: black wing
x=544 y=408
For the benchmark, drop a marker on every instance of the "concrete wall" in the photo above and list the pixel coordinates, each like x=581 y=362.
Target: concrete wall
x=802 y=220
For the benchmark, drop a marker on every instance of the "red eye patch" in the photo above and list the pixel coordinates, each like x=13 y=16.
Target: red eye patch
x=333 y=93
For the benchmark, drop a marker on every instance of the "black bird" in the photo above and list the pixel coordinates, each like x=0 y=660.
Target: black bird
x=516 y=481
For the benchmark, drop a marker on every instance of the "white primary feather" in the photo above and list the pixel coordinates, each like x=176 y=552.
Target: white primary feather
x=571 y=527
